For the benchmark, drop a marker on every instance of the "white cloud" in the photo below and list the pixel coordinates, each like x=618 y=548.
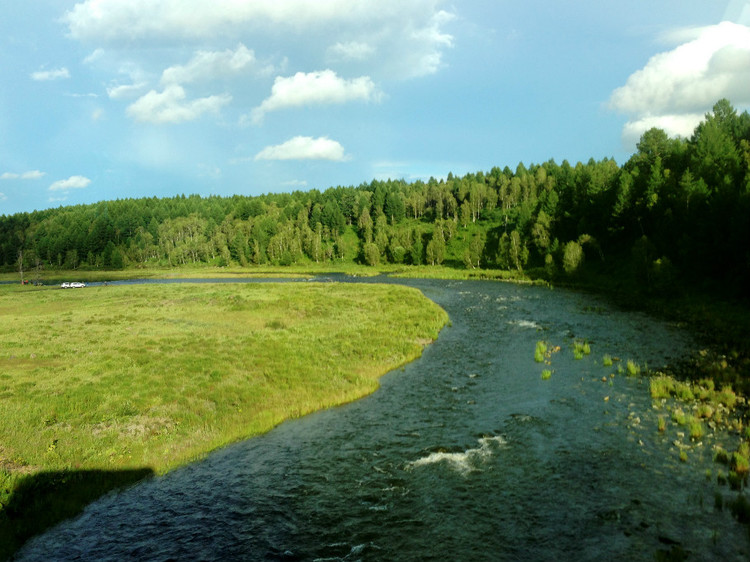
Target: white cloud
x=294 y=183
x=304 y=148
x=30 y=175
x=210 y=65
x=125 y=91
x=58 y=73
x=170 y=106
x=3 y=197
x=315 y=88
x=351 y=50
x=676 y=86
x=73 y=182
x=681 y=125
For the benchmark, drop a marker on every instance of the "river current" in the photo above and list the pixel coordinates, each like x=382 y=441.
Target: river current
x=465 y=454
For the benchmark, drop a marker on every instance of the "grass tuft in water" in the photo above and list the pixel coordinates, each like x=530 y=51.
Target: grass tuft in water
x=540 y=351
x=546 y=374
x=633 y=369
x=581 y=348
x=607 y=361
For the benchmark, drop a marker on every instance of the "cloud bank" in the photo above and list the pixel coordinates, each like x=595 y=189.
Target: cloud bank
x=676 y=88
x=304 y=148
x=403 y=39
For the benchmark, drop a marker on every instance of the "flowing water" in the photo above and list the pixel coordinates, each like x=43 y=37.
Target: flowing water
x=464 y=454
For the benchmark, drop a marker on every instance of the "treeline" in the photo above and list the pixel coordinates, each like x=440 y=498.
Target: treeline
x=679 y=208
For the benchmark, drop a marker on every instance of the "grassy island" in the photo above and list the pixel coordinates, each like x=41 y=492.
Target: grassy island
x=105 y=385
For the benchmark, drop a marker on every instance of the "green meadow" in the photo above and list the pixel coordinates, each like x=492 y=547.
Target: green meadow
x=117 y=379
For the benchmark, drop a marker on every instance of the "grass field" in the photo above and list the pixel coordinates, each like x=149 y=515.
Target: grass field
x=129 y=380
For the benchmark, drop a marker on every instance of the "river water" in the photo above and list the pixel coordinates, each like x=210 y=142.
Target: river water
x=464 y=454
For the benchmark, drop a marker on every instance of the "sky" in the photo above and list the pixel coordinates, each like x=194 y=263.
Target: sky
x=115 y=99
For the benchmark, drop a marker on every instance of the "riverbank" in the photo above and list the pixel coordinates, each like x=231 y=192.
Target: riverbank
x=103 y=386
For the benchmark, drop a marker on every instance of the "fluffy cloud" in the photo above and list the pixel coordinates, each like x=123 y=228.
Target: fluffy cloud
x=30 y=175
x=170 y=106
x=677 y=87
x=210 y=65
x=73 y=182
x=57 y=74
x=304 y=148
x=315 y=88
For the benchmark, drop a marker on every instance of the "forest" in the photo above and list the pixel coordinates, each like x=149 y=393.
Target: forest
x=677 y=211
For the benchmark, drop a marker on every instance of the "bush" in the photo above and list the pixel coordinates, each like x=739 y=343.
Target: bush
x=572 y=257
x=696 y=428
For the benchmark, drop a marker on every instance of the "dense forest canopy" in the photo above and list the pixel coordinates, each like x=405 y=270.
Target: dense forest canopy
x=678 y=207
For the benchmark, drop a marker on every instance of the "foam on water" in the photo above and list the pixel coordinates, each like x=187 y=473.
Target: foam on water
x=466 y=461
x=525 y=324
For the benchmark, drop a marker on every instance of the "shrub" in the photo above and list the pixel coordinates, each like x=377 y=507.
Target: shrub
x=683 y=391
x=704 y=411
x=679 y=417
x=696 y=428
x=572 y=257
x=661 y=387
x=740 y=463
x=727 y=397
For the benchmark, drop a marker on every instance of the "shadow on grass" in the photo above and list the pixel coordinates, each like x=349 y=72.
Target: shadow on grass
x=41 y=500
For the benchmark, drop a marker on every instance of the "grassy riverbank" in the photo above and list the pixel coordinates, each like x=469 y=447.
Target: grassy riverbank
x=104 y=385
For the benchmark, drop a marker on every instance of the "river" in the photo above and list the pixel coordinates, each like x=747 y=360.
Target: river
x=465 y=454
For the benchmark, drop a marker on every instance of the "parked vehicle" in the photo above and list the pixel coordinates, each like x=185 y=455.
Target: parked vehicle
x=73 y=285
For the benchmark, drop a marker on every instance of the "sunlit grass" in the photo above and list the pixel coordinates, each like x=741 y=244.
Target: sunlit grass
x=157 y=375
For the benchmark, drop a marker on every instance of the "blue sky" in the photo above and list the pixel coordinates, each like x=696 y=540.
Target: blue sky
x=111 y=99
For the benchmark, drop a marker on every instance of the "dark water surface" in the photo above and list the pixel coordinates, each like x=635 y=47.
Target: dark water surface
x=465 y=454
